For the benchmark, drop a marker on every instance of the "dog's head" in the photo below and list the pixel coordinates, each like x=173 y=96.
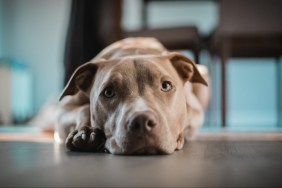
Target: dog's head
x=139 y=101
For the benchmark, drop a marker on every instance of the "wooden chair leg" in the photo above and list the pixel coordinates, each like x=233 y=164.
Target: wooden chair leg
x=223 y=88
x=278 y=81
x=197 y=56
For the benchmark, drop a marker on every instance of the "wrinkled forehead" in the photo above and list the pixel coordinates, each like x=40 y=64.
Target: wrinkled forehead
x=138 y=69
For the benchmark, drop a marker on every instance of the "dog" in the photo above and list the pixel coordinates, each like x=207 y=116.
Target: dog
x=134 y=97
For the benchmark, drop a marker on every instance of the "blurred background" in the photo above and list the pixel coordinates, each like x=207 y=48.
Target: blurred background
x=42 y=42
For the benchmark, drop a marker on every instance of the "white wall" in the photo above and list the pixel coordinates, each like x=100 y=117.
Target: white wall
x=34 y=32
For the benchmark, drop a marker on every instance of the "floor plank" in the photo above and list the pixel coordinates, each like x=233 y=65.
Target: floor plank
x=202 y=163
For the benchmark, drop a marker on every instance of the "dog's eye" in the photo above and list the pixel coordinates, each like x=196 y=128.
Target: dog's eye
x=109 y=92
x=166 y=86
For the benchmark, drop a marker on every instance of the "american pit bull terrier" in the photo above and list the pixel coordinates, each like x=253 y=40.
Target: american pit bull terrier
x=135 y=97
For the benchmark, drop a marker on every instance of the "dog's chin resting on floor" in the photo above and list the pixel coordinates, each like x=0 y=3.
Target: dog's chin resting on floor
x=134 y=97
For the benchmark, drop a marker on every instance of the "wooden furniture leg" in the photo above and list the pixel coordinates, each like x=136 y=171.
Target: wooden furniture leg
x=278 y=98
x=224 y=58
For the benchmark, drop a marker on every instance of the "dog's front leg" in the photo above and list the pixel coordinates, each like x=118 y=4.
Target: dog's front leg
x=85 y=137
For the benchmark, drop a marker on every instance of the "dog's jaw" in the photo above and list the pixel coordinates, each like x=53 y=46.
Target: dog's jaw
x=112 y=147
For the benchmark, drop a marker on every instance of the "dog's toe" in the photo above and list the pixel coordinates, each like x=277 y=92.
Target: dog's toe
x=92 y=137
x=69 y=140
x=96 y=140
x=80 y=139
x=86 y=139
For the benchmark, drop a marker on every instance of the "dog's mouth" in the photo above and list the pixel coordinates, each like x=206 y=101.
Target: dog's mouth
x=142 y=151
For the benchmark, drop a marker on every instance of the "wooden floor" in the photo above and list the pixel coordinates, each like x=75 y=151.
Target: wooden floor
x=214 y=160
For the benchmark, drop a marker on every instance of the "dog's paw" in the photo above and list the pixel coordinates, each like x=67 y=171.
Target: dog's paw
x=86 y=139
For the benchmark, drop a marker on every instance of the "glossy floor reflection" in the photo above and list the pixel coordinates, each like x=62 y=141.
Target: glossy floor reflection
x=203 y=163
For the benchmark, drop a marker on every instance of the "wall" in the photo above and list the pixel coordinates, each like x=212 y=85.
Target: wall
x=34 y=32
x=1 y=26
x=252 y=92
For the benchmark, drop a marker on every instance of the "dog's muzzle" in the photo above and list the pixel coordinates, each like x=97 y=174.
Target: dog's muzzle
x=141 y=129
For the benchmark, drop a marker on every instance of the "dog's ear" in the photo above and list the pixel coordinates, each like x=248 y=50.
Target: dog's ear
x=186 y=68
x=81 y=79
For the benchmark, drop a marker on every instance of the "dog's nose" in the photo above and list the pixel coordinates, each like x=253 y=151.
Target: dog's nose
x=141 y=121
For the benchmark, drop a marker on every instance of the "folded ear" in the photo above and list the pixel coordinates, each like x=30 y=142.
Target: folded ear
x=81 y=79
x=186 y=68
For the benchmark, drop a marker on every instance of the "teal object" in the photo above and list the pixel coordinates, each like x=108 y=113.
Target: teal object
x=19 y=91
